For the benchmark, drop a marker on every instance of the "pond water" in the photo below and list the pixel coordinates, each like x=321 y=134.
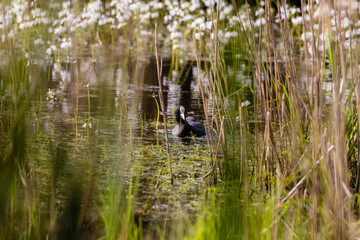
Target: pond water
x=90 y=126
x=87 y=131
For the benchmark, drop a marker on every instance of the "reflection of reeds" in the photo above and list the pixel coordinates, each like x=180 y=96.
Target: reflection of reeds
x=18 y=201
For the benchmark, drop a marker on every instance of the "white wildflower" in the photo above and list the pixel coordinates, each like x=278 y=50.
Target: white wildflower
x=228 y=9
x=39 y=41
x=187 y=18
x=175 y=35
x=209 y=24
x=158 y=5
x=231 y=34
x=245 y=104
x=307 y=35
x=66 y=4
x=296 y=20
x=259 y=22
x=293 y=10
x=195 y=4
x=347 y=34
x=347 y=44
x=198 y=35
x=175 y=46
x=144 y=7
x=26 y=25
x=199 y=23
x=356 y=32
x=59 y=30
x=66 y=45
x=345 y=22
x=259 y=12
x=145 y=33
x=154 y=15
x=145 y=17
x=51 y=49
x=185 y=5
x=333 y=21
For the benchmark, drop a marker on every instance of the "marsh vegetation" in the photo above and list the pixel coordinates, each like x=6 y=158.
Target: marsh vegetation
x=88 y=90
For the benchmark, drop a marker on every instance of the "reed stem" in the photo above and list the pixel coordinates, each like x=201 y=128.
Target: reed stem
x=161 y=97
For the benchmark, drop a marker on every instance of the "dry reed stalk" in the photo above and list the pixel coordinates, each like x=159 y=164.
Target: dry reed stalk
x=314 y=102
x=253 y=57
x=216 y=77
x=339 y=131
x=294 y=133
x=293 y=122
x=274 y=74
x=208 y=128
x=262 y=101
x=355 y=81
x=209 y=134
x=161 y=97
x=357 y=103
x=303 y=7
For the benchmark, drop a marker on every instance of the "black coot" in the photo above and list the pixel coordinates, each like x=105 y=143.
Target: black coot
x=187 y=127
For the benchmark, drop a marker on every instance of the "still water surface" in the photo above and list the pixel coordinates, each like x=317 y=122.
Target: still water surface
x=92 y=124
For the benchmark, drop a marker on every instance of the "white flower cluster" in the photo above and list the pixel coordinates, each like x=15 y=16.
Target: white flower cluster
x=52 y=49
x=69 y=22
x=182 y=20
x=335 y=20
x=20 y=15
x=199 y=17
x=121 y=12
x=338 y=23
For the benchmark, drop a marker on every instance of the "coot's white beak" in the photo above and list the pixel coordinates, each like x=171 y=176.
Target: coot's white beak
x=182 y=116
x=182 y=112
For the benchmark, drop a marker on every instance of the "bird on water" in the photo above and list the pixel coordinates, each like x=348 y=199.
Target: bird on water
x=187 y=127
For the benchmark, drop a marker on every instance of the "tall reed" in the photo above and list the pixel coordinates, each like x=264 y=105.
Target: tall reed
x=162 y=104
x=301 y=144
